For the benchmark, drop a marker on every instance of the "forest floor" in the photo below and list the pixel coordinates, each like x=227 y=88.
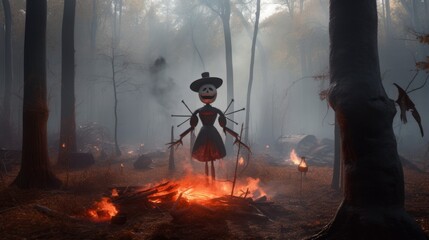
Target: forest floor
x=300 y=213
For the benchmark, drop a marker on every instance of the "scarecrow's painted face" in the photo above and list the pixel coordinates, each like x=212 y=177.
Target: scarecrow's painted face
x=207 y=93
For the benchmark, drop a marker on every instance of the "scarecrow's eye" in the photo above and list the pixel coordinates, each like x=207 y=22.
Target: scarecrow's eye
x=204 y=89
x=211 y=89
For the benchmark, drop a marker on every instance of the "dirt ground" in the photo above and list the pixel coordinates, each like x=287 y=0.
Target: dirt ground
x=299 y=213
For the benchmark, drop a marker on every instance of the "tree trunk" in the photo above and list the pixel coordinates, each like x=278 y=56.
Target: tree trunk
x=252 y=63
x=92 y=48
x=226 y=14
x=35 y=169
x=68 y=119
x=264 y=68
x=5 y=124
x=115 y=107
x=115 y=44
x=373 y=205
x=171 y=165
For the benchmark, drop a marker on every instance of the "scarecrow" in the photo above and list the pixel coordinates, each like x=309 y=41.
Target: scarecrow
x=208 y=146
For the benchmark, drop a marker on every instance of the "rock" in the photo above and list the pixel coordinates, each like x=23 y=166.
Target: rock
x=142 y=162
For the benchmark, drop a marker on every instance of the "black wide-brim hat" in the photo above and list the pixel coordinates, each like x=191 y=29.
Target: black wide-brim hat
x=206 y=79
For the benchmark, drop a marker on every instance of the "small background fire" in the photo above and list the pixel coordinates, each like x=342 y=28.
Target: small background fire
x=181 y=205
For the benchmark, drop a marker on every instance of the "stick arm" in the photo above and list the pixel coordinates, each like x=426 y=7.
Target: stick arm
x=222 y=123
x=193 y=123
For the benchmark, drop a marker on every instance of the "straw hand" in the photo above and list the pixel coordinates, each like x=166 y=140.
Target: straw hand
x=240 y=143
x=175 y=143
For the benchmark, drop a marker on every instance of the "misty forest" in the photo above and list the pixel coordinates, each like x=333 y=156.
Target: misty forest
x=214 y=119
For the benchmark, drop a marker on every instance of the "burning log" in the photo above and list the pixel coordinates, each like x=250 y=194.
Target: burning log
x=190 y=200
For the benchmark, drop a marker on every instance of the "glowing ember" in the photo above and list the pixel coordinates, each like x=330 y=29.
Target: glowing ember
x=103 y=210
x=294 y=157
x=302 y=167
x=241 y=161
x=196 y=189
x=63 y=145
x=115 y=193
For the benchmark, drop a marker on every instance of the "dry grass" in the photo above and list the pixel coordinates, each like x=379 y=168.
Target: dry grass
x=301 y=213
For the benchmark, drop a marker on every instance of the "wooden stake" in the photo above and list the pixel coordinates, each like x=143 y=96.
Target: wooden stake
x=171 y=165
x=236 y=163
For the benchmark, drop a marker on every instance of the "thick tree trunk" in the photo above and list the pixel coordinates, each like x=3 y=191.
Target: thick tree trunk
x=373 y=205
x=68 y=120
x=5 y=124
x=252 y=63
x=226 y=14
x=35 y=169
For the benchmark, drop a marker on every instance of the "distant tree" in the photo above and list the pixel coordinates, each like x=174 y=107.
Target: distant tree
x=5 y=124
x=35 y=169
x=252 y=63
x=373 y=205
x=67 y=142
x=115 y=43
x=223 y=9
x=92 y=52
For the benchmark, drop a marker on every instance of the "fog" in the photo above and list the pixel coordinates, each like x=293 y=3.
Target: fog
x=186 y=38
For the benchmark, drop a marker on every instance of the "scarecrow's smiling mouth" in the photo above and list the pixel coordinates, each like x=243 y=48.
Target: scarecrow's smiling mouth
x=207 y=97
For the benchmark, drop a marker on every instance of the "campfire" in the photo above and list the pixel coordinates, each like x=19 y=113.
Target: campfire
x=186 y=198
x=102 y=210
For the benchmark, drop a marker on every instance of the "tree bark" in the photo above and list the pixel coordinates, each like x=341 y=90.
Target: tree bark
x=68 y=119
x=35 y=169
x=373 y=205
x=252 y=63
x=6 y=126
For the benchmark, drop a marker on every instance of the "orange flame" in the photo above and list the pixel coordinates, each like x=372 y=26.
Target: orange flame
x=303 y=164
x=302 y=167
x=294 y=157
x=241 y=161
x=191 y=189
x=195 y=188
x=103 y=210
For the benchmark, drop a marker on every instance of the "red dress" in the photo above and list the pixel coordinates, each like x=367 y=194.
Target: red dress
x=209 y=145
